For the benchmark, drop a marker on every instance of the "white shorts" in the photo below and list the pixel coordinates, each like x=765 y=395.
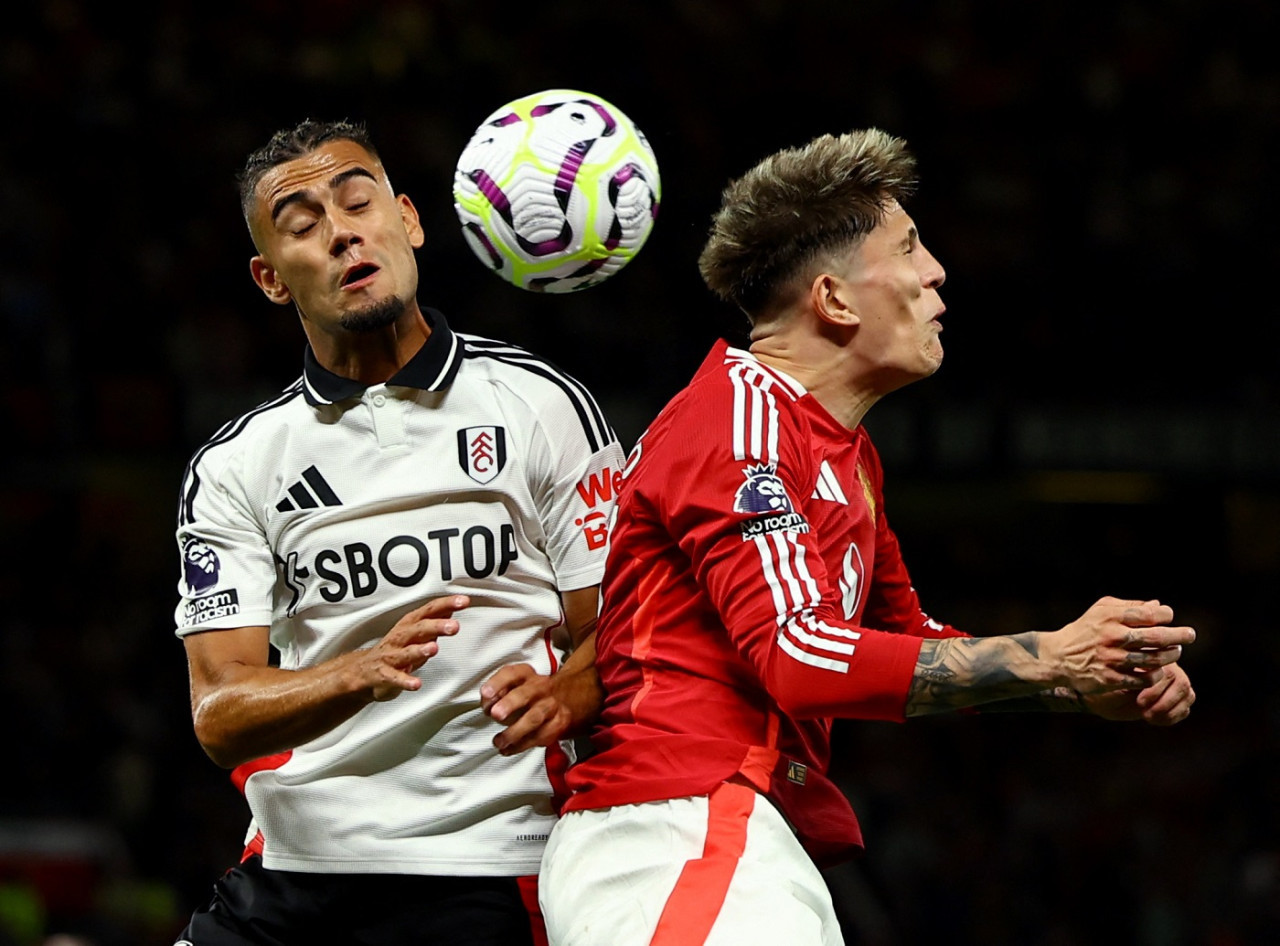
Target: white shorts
x=722 y=869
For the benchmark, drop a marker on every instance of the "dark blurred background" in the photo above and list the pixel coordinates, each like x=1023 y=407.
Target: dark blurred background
x=1098 y=180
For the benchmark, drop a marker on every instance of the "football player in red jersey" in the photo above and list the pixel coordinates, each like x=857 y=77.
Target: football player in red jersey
x=755 y=591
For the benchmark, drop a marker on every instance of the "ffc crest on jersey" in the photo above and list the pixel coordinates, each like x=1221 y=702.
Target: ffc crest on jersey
x=482 y=452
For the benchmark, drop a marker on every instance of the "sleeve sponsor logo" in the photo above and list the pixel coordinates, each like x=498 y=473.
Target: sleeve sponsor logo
x=603 y=486
x=763 y=493
x=220 y=604
x=598 y=489
x=200 y=565
x=595 y=529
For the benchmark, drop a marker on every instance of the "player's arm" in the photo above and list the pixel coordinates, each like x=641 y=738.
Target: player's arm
x=574 y=465
x=539 y=709
x=1163 y=698
x=894 y=604
x=786 y=614
x=1115 y=646
x=243 y=708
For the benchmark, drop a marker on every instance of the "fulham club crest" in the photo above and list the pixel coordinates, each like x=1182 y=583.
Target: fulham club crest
x=482 y=452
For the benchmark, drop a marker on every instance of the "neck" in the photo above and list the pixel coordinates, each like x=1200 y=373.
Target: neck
x=370 y=357
x=826 y=371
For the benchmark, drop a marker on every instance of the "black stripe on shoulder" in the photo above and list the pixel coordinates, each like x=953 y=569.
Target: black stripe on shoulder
x=594 y=424
x=225 y=434
x=500 y=348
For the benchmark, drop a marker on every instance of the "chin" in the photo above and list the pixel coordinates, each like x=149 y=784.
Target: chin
x=375 y=316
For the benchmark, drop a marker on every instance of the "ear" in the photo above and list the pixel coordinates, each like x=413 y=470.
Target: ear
x=412 y=225
x=269 y=281
x=831 y=299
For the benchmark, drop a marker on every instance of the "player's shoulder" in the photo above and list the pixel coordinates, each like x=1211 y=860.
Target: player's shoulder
x=740 y=369
x=256 y=427
x=734 y=383
x=539 y=384
x=514 y=364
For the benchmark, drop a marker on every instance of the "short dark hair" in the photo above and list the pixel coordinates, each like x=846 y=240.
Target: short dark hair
x=797 y=204
x=290 y=143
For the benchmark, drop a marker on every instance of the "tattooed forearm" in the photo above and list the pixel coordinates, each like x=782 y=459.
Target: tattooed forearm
x=961 y=671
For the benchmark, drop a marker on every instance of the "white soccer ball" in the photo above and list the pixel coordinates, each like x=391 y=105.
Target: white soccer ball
x=557 y=191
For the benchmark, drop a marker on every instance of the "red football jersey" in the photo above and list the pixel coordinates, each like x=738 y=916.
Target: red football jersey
x=753 y=592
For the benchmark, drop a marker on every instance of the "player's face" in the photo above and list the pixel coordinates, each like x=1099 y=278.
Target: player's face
x=334 y=239
x=894 y=284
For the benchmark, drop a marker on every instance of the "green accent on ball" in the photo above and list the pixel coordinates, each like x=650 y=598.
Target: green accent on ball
x=588 y=194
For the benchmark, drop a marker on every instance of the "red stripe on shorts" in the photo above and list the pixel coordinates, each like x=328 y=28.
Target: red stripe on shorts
x=694 y=904
x=529 y=894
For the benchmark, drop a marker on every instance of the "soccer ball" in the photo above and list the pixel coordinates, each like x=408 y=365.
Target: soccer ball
x=557 y=191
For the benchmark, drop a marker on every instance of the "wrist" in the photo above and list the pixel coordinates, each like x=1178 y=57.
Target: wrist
x=1046 y=667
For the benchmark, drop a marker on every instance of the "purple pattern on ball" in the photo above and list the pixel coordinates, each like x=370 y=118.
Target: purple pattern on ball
x=610 y=123
x=492 y=192
x=568 y=172
x=495 y=258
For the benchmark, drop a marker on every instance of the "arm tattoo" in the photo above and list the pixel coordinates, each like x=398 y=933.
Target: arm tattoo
x=964 y=671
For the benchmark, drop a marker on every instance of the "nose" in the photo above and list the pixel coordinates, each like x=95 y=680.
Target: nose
x=932 y=275
x=344 y=237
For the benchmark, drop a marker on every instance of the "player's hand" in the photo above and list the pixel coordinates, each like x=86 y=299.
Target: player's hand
x=1116 y=645
x=386 y=669
x=1164 y=703
x=538 y=709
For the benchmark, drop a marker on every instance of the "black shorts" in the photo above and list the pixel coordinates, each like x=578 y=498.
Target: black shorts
x=254 y=906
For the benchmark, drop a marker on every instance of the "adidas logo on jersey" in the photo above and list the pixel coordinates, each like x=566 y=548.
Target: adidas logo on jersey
x=310 y=492
x=828 y=487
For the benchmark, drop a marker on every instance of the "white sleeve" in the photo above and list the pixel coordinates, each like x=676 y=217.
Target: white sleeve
x=577 y=468
x=228 y=570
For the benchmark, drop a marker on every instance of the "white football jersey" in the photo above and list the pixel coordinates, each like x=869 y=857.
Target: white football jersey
x=328 y=513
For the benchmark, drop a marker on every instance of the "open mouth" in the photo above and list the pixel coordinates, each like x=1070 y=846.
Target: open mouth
x=358 y=274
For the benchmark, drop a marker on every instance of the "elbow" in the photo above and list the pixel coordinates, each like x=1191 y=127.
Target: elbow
x=803 y=696
x=805 y=703
x=798 y=700
x=214 y=739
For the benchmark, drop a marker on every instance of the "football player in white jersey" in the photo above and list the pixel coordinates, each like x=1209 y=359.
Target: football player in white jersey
x=418 y=527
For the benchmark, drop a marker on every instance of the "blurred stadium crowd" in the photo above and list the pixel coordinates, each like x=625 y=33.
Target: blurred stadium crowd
x=1099 y=182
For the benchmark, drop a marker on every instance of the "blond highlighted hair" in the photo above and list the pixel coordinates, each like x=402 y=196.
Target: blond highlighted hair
x=798 y=204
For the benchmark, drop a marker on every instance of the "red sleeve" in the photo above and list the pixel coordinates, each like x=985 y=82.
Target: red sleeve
x=737 y=474
x=892 y=602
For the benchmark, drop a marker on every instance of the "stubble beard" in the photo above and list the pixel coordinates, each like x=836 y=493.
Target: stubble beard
x=374 y=317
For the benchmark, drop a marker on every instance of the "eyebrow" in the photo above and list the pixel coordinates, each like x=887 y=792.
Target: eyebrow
x=334 y=183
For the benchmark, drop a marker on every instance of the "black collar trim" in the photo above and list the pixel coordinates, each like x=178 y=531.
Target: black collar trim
x=431 y=369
